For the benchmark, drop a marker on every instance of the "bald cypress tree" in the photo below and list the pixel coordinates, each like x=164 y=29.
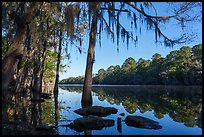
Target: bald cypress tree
x=114 y=28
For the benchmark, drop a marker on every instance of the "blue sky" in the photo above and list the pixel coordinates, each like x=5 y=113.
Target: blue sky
x=107 y=54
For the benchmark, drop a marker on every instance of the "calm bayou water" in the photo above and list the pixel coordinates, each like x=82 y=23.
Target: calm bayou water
x=178 y=109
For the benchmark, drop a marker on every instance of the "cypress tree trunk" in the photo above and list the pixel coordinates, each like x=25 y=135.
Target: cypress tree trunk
x=86 y=95
x=9 y=66
x=57 y=79
x=35 y=114
x=38 y=73
x=42 y=67
x=11 y=60
x=36 y=77
x=25 y=78
x=19 y=77
x=58 y=64
x=15 y=52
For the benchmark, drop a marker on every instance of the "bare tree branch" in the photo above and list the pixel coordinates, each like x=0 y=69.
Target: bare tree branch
x=154 y=20
x=115 y=10
x=150 y=16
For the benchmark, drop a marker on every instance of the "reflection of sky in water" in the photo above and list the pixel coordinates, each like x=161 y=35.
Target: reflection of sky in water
x=73 y=100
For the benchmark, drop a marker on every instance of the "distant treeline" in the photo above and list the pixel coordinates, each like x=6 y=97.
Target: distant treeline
x=179 y=67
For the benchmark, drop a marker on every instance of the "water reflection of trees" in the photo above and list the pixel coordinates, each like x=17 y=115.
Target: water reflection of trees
x=24 y=114
x=183 y=104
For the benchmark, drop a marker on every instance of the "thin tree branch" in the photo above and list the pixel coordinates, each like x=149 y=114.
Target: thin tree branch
x=150 y=16
x=115 y=10
x=107 y=26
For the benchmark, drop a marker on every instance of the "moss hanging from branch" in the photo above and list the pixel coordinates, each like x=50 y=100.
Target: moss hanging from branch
x=135 y=20
x=69 y=19
x=127 y=38
x=117 y=29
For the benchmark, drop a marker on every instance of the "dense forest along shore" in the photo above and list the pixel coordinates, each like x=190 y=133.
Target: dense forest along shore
x=179 y=67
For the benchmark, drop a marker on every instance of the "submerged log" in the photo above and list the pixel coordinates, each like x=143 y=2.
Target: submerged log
x=90 y=123
x=97 y=111
x=142 y=122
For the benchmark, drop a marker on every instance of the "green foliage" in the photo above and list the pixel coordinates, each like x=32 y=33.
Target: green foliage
x=100 y=76
x=5 y=46
x=179 y=67
x=129 y=65
x=48 y=112
x=73 y=80
x=51 y=65
x=197 y=52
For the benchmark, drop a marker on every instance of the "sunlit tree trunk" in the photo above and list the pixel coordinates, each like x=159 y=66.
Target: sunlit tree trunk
x=9 y=66
x=86 y=95
x=19 y=76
